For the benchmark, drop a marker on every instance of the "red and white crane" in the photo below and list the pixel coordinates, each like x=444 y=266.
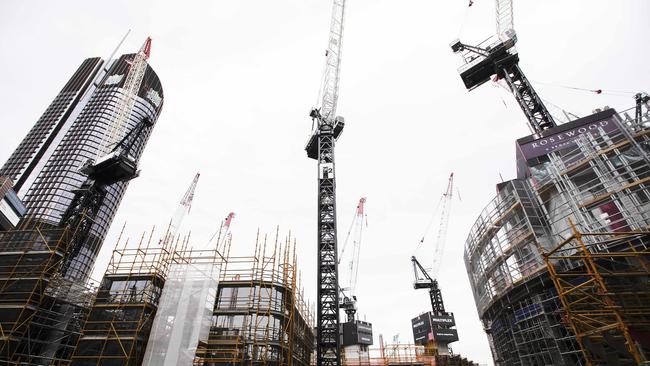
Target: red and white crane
x=350 y=270
x=183 y=209
x=117 y=129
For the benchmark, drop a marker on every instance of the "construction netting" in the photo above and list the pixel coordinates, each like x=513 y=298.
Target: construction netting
x=184 y=314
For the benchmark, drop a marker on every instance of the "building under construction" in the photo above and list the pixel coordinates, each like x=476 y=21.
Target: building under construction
x=559 y=260
x=161 y=302
x=405 y=355
x=260 y=316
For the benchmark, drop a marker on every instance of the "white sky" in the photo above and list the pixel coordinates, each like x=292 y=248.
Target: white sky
x=240 y=77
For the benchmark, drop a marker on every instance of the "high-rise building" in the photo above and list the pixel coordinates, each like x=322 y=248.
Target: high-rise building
x=46 y=165
x=46 y=259
x=558 y=260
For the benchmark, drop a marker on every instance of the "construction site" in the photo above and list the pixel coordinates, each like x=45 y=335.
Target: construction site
x=558 y=261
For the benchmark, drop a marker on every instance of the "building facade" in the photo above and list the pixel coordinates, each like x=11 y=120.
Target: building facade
x=45 y=166
x=586 y=180
x=44 y=302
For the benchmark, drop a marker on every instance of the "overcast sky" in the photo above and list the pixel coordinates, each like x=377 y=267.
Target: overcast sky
x=239 y=78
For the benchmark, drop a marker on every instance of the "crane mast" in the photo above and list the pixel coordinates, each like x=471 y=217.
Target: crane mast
x=501 y=59
x=327 y=128
x=423 y=280
x=352 y=268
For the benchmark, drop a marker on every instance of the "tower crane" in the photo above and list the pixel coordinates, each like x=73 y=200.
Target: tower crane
x=435 y=327
x=351 y=270
x=356 y=335
x=224 y=231
x=183 y=208
x=114 y=161
x=501 y=59
x=326 y=129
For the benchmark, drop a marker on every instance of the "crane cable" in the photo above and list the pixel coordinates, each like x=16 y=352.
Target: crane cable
x=428 y=227
x=595 y=91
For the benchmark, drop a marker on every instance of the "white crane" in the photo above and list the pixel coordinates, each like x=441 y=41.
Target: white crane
x=351 y=269
x=443 y=211
x=183 y=209
x=117 y=129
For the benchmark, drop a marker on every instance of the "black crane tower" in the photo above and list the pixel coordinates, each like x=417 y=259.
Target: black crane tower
x=435 y=327
x=321 y=147
x=423 y=280
x=501 y=59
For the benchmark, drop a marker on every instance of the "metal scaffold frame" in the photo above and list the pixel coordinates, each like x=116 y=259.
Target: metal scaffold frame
x=261 y=316
x=603 y=282
x=602 y=183
x=404 y=355
x=118 y=324
x=42 y=312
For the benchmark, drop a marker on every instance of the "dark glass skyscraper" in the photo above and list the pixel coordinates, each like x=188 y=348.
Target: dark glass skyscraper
x=45 y=166
x=47 y=258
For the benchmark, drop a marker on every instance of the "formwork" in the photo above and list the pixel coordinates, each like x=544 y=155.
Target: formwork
x=261 y=316
x=597 y=177
x=41 y=312
x=118 y=324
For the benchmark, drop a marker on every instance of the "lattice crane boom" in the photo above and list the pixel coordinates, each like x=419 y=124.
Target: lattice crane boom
x=441 y=238
x=326 y=129
x=505 y=22
x=330 y=89
x=183 y=208
x=134 y=77
x=351 y=269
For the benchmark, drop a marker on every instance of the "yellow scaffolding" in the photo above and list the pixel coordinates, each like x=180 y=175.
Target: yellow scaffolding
x=406 y=355
x=119 y=321
x=603 y=283
x=39 y=309
x=261 y=317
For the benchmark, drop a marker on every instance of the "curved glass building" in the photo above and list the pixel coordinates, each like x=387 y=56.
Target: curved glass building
x=43 y=293
x=586 y=180
x=46 y=164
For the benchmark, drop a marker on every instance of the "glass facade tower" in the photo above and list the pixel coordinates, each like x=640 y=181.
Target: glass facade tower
x=45 y=166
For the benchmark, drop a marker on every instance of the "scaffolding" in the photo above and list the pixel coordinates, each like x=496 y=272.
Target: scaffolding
x=118 y=324
x=41 y=311
x=261 y=316
x=405 y=355
x=603 y=281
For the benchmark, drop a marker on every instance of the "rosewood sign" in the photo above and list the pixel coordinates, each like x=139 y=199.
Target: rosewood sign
x=566 y=138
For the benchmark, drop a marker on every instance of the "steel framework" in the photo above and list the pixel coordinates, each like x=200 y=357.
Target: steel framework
x=603 y=282
x=41 y=312
x=600 y=181
x=118 y=324
x=320 y=146
x=261 y=317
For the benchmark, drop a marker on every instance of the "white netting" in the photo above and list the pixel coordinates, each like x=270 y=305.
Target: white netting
x=184 y=314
